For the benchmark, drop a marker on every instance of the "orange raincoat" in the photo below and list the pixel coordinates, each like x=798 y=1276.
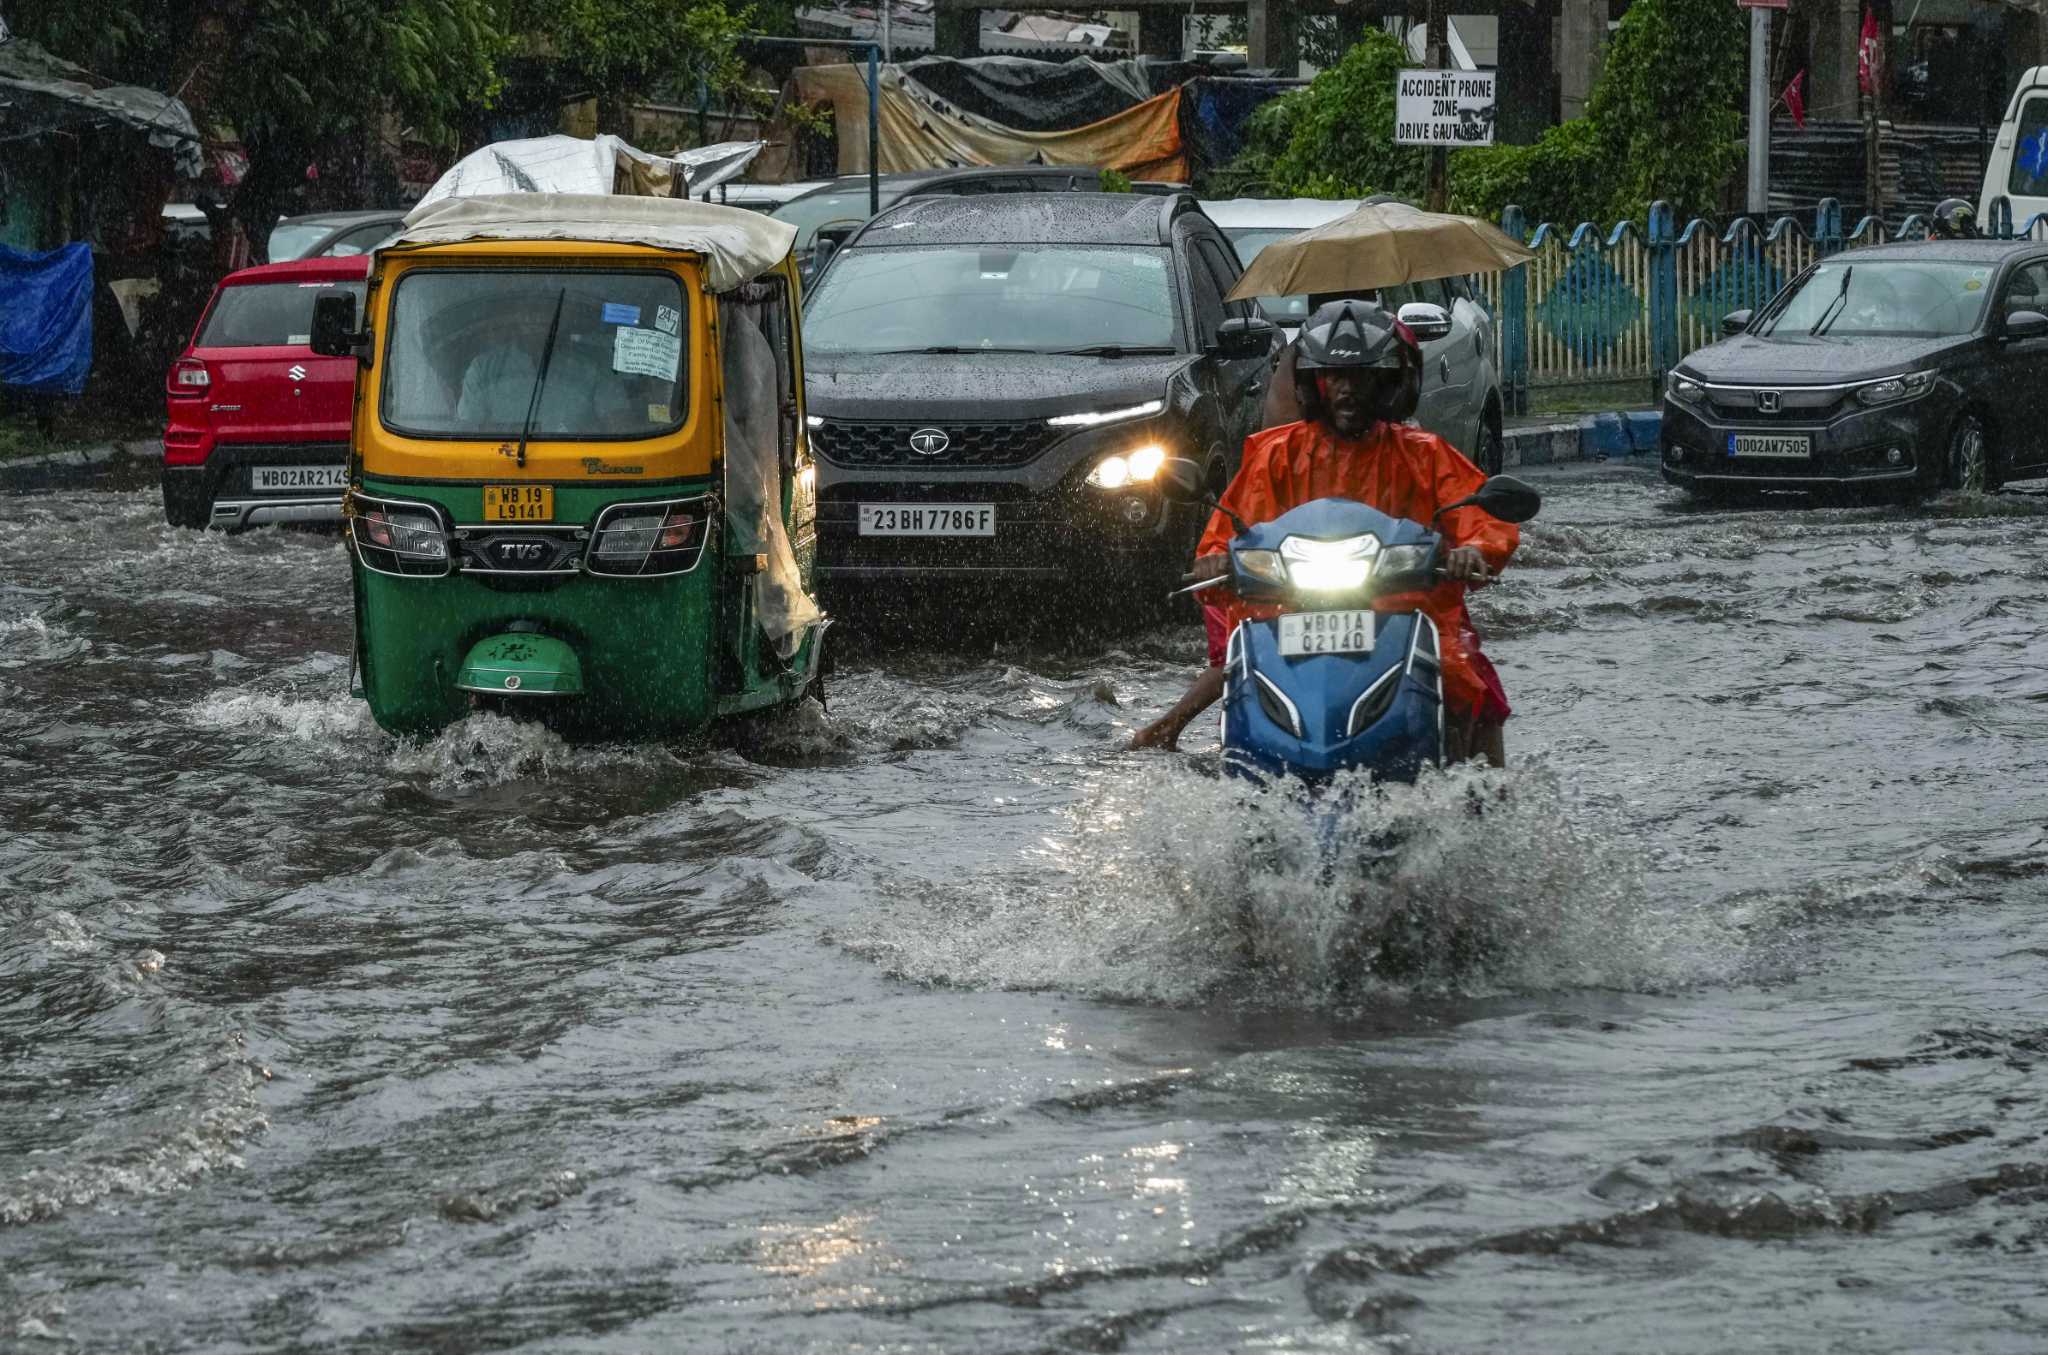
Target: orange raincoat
x=1397 y=469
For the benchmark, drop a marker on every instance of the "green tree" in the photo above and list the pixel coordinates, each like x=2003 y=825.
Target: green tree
x=1335 y=139
x=1668 y=105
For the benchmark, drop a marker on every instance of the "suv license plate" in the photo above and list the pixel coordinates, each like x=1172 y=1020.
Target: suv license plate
x=1306 y=633
x=297 y=479
x=927 y=519
x=519 y=503
x=1759 y=444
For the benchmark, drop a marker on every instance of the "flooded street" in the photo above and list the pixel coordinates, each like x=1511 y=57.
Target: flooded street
x=940 y=1023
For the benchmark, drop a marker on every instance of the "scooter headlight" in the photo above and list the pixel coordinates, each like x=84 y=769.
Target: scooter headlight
x=1396 y=561
x=1330 y=566
x=1264 y=565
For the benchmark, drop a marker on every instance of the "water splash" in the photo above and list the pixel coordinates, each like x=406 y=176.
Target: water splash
x=1176 y=888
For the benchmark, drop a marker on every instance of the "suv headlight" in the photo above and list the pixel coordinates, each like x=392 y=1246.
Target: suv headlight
x=1096 y=418
x=1131 y=468
x=1684 y=388
x=1891 y=390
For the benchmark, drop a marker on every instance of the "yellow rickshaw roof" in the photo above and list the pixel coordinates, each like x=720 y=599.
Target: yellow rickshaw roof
x=736 y=245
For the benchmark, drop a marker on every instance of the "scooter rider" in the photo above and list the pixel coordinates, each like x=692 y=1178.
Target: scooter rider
x=1350 y=377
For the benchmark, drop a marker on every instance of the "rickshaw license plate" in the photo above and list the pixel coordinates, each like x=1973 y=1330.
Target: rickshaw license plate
x=1306 y=633
x=927 y=519
x=519 y=503
x=1758 y=444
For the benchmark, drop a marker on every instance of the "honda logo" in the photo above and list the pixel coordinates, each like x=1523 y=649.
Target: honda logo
x=930 y=441
x=1768 y=402
x=297 y=373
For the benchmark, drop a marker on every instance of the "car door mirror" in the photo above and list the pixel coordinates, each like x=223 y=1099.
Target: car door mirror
x=2026 y=325
x=1503 y=497
x=1426 y=320
x=821 y=254
x=1245 y=337
x=334 y=326
x=1735 y=322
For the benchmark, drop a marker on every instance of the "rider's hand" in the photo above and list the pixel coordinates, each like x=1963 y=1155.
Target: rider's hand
x=1210 y=567
x=1465 y=564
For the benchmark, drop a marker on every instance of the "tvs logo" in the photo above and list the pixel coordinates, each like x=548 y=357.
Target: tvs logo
x=1769 y=402
x=930 y=441
x=520 y=554
x=297 y=373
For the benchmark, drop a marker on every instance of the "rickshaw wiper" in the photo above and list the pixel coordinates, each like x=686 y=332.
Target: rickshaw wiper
x=547 y=355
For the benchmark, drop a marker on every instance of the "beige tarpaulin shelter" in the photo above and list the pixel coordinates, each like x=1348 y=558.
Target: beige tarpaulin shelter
x=919 y=130
x=1381 y=245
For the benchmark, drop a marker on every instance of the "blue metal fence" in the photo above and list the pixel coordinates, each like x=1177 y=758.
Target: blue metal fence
x=1624 y=305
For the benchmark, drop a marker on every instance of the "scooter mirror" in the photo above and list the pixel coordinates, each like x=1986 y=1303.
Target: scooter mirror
x=1181 y=480
x=1509 y=499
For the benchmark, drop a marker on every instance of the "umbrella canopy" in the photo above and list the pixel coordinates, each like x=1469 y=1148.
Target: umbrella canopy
x=1379 y=245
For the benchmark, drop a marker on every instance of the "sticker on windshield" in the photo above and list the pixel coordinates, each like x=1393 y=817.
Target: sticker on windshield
x=618 y=313
x=298 y=339
x=667 y=319
x=657 y=414
x=646 y=352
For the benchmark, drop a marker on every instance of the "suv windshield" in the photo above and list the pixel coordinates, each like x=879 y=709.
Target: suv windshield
x=465 y=352
x=269 y=314
x=1037 y=298
x=1901 y=298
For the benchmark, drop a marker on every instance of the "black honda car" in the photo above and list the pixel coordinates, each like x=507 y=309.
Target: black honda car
x=1910 y=367
x=993 y=384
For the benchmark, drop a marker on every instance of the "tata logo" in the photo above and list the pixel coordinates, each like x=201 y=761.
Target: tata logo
x=297 y=372
x=1769 y=402
x=930 y=441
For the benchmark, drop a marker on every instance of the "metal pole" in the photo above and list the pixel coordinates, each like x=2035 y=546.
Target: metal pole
x=1439 y=156
x=888 y=48
x=874 y=130
x=1759 y=111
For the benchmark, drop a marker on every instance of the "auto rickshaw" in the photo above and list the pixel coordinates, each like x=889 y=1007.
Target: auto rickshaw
x=579 y=485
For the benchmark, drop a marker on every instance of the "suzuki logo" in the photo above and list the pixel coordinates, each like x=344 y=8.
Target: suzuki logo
x=1767 y=402
x=930 y=441
x=297 y=373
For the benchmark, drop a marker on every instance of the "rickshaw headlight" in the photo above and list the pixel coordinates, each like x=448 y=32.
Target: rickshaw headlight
x=647 y=539
x=393 y=539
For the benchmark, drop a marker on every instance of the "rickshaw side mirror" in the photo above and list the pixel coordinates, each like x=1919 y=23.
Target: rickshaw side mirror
x=334 y=332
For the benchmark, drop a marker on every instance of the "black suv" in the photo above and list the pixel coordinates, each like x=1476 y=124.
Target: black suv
x=993 y=382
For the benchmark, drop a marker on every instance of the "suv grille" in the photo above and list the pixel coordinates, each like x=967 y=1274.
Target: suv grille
x=968 y=445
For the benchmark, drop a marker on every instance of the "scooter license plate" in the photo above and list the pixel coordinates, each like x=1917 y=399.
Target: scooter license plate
x=1306 y=633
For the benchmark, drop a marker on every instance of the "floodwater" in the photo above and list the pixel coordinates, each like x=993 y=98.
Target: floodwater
x=938 y=1023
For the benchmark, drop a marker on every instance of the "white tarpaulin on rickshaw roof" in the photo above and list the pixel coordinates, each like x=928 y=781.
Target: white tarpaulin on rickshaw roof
x=737 y=245
x=602 y=164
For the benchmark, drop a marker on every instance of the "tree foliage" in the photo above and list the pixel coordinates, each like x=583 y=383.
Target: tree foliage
x=1668 y=105
x=1335 y=138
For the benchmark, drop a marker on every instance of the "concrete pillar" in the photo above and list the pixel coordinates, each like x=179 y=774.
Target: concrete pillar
x=1831 y=90
x=1273 y=37
x=1162 y=33
x=957 y=32
x=1581 y=46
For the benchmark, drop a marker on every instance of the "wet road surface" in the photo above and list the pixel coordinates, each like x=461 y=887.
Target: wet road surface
x=930 y=1024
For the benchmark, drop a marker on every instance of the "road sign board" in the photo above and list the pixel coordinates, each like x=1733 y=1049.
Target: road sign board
x=1443 y=108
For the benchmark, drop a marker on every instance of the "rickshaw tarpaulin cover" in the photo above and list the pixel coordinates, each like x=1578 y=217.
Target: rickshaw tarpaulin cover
x=736 y=245
x=921 y=130
x=46 y=319
x=603 y=164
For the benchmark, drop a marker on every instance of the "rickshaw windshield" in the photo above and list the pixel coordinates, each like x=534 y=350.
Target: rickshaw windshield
x=469 y=347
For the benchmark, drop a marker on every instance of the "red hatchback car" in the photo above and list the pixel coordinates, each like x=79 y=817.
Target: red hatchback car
x=258 y=423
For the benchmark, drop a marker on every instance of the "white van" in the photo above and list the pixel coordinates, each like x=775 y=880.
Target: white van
x=2018 y=167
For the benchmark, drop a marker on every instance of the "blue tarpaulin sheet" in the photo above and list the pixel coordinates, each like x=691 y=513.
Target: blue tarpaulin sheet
x=46 y=319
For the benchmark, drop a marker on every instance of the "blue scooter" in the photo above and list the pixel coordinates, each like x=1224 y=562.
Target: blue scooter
x=1331 y=684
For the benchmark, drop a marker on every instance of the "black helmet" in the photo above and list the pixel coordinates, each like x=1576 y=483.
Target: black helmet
x=1954 y=219
x=1348 y=334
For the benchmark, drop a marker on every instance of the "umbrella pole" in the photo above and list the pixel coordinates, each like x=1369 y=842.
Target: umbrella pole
x=1439 y=157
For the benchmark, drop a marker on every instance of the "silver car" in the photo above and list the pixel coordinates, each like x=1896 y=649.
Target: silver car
x=1461 y=399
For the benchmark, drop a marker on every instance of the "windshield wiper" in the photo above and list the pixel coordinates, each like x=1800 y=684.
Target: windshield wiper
x=947 y=349
x=1827 y=317
x=547 y=355
x=1117 y=350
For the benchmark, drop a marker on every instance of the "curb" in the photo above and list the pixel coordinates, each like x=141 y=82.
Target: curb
x=1592 y=437
x=77 y=466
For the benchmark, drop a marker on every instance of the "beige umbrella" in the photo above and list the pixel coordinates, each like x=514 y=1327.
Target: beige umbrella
x=1379 y=246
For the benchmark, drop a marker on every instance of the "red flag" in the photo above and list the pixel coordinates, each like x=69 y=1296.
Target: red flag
x=1794 y=99
x=1869 y=55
